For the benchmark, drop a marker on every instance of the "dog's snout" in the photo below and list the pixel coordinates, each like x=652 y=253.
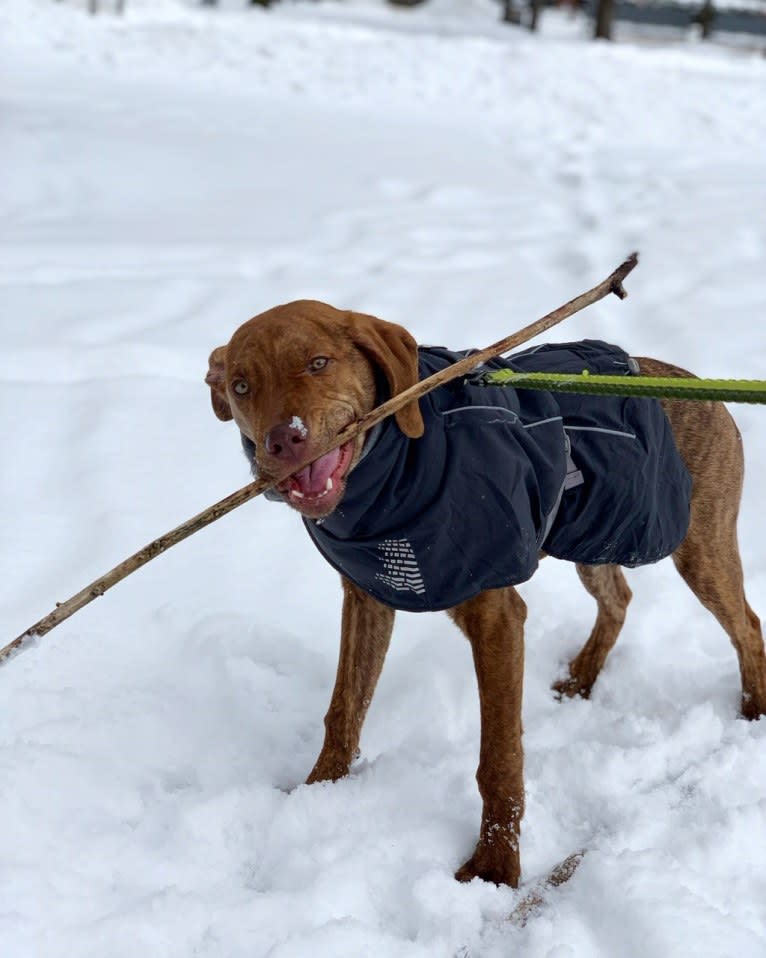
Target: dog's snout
x=287 y=440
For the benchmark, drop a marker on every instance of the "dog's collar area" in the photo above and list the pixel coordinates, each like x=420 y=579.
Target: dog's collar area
x=382 y=394
x=371 y=440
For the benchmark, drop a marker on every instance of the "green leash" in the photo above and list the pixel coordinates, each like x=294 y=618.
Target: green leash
x=657 y=387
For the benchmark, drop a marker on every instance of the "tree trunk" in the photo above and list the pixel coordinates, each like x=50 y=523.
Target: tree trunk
x=705 y=19
x=604 y=17
x=536 y=7
x=511 y=13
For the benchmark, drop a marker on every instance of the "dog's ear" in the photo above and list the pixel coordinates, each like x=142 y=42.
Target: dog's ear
x=216 y=379
x=395 y=352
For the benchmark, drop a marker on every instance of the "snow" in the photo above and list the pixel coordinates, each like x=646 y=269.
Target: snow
x=167 y=175
x=297 y=423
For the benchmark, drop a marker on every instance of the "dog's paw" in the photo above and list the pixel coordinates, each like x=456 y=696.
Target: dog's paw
x=328 y=768
x=571 y=687
x=752 y=709
x=486 y=863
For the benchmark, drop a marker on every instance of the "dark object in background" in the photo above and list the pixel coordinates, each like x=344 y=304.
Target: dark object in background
x=666 y=13
x=604 y=18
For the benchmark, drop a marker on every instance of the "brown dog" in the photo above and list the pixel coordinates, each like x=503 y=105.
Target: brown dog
x=294 y=376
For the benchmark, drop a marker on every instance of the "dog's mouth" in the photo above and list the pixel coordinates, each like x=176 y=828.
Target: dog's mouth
x=317 y=489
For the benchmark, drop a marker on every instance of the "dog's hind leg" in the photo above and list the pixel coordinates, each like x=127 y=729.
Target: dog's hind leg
x=607 y=585
x=709 y=562
x=365 y=636
x=708 y=558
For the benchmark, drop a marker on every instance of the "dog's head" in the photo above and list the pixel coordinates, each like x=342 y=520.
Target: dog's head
x=293 y=377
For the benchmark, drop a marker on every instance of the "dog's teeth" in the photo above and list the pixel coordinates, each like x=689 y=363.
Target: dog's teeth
x=297 y=493
x=328 y=485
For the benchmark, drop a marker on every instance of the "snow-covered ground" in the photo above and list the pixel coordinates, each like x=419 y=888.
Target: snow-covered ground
x=168 y=175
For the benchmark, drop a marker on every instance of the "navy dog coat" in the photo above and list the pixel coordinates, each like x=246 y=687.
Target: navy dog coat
x=502 y=474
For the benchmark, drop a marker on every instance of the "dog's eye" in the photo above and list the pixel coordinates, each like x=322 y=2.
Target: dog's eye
x=240 y=387
x=317 y=363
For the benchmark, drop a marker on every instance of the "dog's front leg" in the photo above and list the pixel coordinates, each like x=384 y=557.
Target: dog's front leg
x=493 y=622
x=365 y=634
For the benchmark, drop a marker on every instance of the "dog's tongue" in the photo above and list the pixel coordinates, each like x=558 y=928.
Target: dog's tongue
x=313 y=479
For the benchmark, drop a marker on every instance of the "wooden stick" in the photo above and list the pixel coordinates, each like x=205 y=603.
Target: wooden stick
x=535 y=899
x=63 y=610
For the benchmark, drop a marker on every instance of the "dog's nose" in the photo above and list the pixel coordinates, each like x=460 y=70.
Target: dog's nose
x=287 y=440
